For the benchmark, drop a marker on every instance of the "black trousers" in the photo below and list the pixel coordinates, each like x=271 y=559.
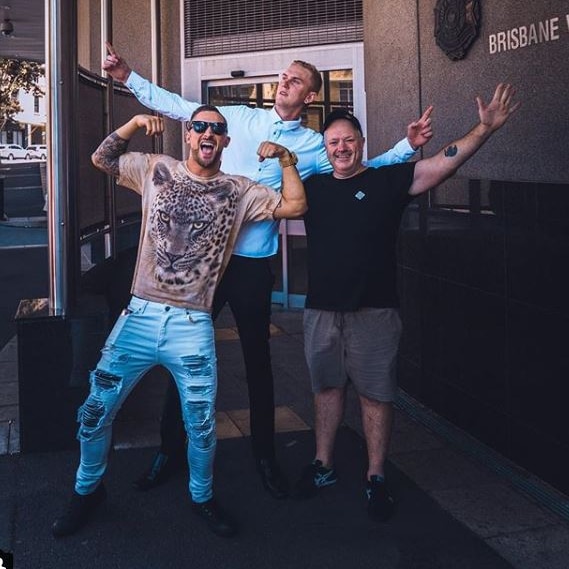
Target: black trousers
x=246 y=286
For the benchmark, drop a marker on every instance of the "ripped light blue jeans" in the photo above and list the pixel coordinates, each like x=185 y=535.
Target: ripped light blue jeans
x=148 y=334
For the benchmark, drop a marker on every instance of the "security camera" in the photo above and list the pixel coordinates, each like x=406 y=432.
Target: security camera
x=6 y=28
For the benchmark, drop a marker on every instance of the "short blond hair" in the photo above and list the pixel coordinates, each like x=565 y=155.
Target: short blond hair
x=315 y=77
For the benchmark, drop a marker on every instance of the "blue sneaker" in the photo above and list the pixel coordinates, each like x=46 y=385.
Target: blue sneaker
x=313 y=477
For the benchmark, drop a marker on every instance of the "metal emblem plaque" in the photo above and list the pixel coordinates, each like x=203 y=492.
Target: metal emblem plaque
x=457 y=23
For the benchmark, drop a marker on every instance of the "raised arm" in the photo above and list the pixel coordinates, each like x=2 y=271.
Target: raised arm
x=107 y=156
x=293 y=203
x=149 y=94
x=434 y=170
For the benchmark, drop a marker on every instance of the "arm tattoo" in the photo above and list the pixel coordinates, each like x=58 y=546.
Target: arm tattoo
x=451 y=151
x=106 y=157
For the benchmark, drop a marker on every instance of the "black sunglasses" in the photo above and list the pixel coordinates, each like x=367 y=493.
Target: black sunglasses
x=201 y=126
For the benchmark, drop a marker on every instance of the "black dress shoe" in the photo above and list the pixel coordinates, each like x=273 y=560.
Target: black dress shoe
x=78 y=512
x=163 y=465
x=272 y=478
x=217 y=520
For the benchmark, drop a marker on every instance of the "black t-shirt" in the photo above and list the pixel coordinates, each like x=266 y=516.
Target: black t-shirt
x=352 y=227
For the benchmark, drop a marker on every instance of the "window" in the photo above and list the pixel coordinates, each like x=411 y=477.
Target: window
x=345 y=92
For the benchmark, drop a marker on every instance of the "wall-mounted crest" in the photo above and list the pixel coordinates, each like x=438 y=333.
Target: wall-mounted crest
x=456 y=26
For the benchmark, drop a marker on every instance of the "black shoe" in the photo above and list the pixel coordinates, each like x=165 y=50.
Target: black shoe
x=78 y=512
x=217 y=520
x=314 y=476
x=380 y=504
x=163 y=465
x=272 y=478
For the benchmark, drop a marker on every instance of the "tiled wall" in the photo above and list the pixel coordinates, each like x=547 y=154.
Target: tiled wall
x=484 y=281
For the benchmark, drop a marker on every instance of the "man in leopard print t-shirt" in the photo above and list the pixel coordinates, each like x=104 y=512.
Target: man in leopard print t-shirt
x=191 y=214
x=189 y=226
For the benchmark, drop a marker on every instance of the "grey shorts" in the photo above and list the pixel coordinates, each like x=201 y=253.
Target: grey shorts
x=358 y=346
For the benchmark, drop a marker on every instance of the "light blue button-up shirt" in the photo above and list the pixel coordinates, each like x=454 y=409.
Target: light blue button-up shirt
x=248 y=128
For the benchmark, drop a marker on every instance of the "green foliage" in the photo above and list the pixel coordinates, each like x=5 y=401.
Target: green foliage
x=16 y=75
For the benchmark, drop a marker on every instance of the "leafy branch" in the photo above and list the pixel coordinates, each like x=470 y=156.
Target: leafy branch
x=16 y=75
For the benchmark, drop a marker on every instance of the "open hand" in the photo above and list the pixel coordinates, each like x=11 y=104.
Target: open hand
x=498 y=111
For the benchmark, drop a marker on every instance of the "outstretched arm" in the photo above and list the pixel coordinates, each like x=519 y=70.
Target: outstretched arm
x=419 y=132
x=107 y=156
x=293 y=203
x=434 y=170
x=150 y=95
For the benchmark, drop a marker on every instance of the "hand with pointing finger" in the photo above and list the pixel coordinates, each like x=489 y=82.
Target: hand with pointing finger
x=421 y=131
x=115 y=65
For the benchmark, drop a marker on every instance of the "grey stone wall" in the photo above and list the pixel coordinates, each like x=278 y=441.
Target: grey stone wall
x=406 y=70
x=132 y=38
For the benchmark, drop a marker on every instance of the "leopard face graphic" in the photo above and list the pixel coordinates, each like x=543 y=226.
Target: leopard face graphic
x=190 y=223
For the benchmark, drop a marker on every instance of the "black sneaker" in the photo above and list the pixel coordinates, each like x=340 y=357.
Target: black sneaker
x=313 y=477
x=78 y=512
x=217 y=520
x=380 y=504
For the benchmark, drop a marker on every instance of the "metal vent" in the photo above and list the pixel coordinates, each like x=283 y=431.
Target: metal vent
x=214 y=27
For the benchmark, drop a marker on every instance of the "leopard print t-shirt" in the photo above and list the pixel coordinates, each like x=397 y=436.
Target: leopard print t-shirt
x=189 y=226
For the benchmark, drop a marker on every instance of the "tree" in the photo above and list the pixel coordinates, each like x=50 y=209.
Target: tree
x=16 y=75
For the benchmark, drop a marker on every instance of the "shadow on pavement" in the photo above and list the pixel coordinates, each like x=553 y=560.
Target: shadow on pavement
x=157 y=529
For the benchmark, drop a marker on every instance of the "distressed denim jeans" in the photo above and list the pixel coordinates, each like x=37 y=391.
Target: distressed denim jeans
x=148 y=334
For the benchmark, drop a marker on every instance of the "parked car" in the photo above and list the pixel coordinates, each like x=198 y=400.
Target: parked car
x=38 y=151
x=12 y=152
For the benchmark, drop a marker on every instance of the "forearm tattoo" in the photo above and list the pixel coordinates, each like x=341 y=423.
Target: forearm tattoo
x=106 y=157
x=451 y=151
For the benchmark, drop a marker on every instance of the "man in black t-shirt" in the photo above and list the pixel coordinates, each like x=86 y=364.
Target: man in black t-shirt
x=351 y=322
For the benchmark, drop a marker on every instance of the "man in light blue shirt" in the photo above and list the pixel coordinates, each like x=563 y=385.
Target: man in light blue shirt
x=247 y=283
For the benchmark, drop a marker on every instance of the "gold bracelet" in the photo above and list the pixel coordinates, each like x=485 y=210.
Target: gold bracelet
x=290 y=160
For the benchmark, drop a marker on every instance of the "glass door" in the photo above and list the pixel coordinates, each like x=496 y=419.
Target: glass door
x=337 y=92
x=251 y=79
x=289 y=265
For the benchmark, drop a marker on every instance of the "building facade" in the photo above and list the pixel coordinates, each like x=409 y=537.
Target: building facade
x=28 y=126
x=32 y=117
